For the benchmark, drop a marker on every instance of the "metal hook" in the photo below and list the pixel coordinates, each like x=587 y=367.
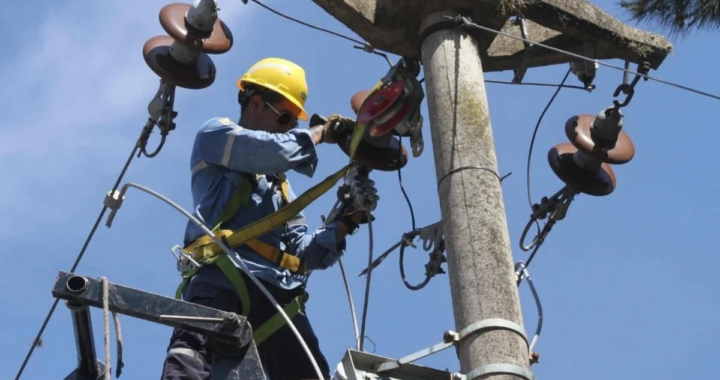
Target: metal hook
x=629 y=89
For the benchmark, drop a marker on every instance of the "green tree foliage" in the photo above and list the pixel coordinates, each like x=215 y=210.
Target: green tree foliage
x=676 y=16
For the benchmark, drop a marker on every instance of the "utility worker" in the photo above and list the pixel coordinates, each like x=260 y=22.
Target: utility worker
x=253 y=155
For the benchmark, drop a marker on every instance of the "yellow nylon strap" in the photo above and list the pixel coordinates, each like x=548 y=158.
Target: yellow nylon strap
x=203 y=253
x=270 y=222
x=274 y=254
x=361 y=128
x=276 y=322
x=284 y=187
x=233 y=275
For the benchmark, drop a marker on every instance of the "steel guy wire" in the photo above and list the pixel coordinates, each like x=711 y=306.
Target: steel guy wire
x=77 y=262
x=466 y=23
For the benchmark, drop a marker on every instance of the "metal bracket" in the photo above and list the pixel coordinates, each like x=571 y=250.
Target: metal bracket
x=431 y=236
x=452 y=338
x=416 y=139
x=499 y=368
x=359 y=365
x=520 y=71
x=229 y=329
x=492 y=323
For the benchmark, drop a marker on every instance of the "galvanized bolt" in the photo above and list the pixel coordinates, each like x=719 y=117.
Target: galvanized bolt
x=450 y=336
x=534 y=358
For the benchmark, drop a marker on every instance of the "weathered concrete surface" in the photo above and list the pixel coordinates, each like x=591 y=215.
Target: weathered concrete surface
x=394 y=25
x=479 y=258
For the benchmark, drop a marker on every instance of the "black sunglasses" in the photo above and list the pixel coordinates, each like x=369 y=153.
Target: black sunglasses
x=284 y=118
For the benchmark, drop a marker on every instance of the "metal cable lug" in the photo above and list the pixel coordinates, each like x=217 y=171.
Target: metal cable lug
x=113 y=200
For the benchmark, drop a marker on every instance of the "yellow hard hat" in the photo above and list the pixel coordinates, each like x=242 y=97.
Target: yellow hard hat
x=282 y=76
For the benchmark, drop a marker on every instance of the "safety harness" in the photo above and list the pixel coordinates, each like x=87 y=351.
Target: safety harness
x=204 y=250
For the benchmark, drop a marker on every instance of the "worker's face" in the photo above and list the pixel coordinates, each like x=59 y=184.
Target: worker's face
x=274 y=118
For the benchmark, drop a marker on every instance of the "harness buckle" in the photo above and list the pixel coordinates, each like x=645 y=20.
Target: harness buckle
x=185 y=263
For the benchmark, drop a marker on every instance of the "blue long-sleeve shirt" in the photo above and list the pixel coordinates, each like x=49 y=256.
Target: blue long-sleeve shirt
x=222 y=155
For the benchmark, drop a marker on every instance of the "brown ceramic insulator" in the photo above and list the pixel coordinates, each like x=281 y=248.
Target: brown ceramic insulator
x=599 y=183
x=199 y=75
x=578 y=128
x=357 y=100
x=386 y=158
x=172 y=19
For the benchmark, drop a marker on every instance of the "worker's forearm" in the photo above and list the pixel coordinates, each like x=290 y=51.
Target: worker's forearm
x=251 y=151
x=316 y=133
x=342 y=231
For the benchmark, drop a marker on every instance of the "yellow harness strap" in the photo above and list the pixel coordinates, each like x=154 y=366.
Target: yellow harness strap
x=205 y=246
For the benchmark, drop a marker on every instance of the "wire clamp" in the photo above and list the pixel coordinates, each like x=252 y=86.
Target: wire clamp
x=554 y=209
x=113 y=200
x=499 y=368
x=432 y=236
x=492 y=324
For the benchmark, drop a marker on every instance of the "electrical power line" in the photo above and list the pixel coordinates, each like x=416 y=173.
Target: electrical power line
x=466 y=23
x=76 y=263
x=310 y=25
x=537 y=126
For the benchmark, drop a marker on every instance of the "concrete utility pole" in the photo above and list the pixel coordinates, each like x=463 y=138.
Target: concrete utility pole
x=482 y=280
x=480 y=262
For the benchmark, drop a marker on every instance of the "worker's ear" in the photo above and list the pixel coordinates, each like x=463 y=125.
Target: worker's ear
x=256 y=105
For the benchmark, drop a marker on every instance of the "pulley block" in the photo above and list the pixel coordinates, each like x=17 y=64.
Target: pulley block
x=195 y=31
x=385 y=153
x=596 y=141
x=394 y=108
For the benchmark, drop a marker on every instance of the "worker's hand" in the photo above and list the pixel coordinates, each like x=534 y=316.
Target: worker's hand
x=364 y=198
x=336 y=127
x=360 y=217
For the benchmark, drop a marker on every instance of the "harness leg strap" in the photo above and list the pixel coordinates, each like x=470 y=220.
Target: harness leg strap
x=276 y=322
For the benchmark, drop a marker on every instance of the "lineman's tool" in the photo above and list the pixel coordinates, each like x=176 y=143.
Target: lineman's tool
x=393 y=105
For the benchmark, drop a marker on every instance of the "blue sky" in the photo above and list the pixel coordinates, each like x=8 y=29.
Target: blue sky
x=627 y=281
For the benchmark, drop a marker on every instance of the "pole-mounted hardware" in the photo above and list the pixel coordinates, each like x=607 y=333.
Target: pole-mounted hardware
x=585 y=70
x=629 y=89
x=596 y=142
x=181 y=59
x=554 y=209
x=433 y=243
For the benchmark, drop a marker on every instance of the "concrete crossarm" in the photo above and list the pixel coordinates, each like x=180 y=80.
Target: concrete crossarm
x=393 y=25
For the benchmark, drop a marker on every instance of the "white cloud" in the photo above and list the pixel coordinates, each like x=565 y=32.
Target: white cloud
x=70 y=92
